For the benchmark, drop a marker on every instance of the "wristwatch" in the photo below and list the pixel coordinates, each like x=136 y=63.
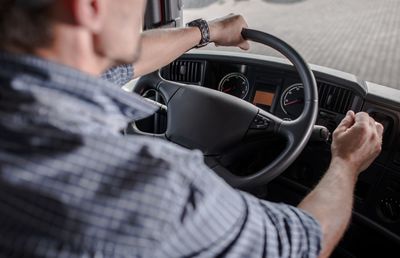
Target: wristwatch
x=204 y=29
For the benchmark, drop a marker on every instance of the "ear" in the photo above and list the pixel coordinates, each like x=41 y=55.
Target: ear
x=87 y=13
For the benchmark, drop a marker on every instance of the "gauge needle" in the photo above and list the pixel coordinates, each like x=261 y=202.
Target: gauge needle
x=228 y=89
x=293 y=102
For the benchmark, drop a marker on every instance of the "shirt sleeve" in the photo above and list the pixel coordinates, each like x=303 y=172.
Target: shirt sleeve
x=219 y=221
x=119 y=75
x=282 y=230
x=135 y=197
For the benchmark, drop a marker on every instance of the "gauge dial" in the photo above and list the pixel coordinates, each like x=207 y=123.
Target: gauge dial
x=235 y=84
x=292 y=100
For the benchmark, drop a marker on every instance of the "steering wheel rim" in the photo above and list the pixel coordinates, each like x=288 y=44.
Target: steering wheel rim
x=296 y=132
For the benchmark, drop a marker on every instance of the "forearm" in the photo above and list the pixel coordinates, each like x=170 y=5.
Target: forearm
x=331 y=203
x=162 y=46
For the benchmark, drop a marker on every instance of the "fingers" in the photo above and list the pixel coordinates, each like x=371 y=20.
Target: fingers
x=362 y=118
x=362 y=125
x=227 y=31
x=366 y=119
x=361 y=122
x=347 y=122
x=378 y=135
x=244 y=45
x=366 y=125
x=379 y=128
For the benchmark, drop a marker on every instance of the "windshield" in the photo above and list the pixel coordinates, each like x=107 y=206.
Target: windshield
x=361 y=37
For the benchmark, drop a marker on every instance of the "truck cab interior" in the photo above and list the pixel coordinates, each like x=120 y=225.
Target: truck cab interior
x=264 y=124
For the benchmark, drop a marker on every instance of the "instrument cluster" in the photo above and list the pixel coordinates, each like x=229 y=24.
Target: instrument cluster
x=285 y=101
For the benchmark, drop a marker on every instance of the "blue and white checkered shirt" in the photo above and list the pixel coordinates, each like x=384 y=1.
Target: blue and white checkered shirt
x=72 y=186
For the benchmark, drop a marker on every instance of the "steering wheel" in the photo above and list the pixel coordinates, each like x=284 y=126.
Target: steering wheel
x=214 y=122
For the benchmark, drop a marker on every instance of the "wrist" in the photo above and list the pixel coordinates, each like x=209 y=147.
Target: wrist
x=195 y=35
x=203 y=27
x=344 y=167
x=214 y=28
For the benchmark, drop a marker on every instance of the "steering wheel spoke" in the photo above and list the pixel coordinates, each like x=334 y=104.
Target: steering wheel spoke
x=133 y=128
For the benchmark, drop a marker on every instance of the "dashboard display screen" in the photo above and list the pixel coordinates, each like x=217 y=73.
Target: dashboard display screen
x=263 y=99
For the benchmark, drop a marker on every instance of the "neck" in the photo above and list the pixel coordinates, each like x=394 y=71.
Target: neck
x=74 y=48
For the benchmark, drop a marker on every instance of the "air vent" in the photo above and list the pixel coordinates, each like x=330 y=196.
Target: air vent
x=184 y=71
x=334 y=98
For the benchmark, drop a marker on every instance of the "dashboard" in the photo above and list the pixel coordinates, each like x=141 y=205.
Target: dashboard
x=272 y=89
x=272 y=84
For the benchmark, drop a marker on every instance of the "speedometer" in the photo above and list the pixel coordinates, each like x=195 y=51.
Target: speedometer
x=235 y=84
x=292 y=100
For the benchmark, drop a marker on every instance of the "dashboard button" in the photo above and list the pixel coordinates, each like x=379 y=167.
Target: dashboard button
x=260 y=122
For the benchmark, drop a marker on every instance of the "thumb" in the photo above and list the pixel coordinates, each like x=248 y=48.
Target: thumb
x=245 y=45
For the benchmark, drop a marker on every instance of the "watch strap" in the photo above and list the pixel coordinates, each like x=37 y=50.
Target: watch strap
x=204 y=29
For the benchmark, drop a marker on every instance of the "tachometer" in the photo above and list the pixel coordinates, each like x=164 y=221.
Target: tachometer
x=292 y=100
x=235 y=84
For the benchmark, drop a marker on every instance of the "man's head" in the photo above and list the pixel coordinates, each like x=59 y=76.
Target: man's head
x=108 y=32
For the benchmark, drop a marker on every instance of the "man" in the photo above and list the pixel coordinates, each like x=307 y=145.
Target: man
x=71 y=185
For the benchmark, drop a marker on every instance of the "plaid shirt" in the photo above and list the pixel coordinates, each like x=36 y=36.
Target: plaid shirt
x=72 y=186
